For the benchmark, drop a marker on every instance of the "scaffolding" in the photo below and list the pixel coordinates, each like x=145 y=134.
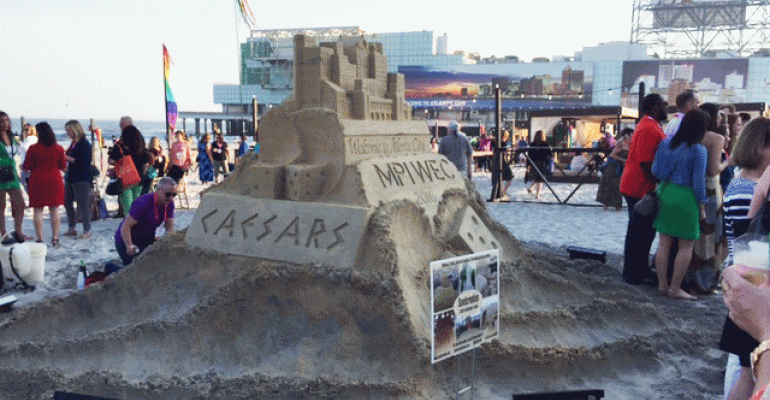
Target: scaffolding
x=702 y=28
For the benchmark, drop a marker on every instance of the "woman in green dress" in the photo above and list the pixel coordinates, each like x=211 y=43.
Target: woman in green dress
x=9 y=177
x=680 y=166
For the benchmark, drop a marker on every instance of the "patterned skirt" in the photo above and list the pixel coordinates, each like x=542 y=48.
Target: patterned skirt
x=710 y=250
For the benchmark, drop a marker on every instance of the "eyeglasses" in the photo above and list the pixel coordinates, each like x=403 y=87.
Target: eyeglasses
x=171 y=194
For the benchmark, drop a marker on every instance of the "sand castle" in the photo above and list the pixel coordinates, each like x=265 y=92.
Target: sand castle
x=344 y=144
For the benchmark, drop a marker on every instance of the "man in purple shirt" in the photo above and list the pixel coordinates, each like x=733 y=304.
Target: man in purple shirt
x=137 y=231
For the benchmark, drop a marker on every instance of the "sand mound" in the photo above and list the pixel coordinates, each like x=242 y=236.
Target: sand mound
x=182 y=324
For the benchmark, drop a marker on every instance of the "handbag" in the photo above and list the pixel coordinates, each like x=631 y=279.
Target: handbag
x=94 y=171
x=648 y=205
x=7 y=167
x=604 y=165
x=125 y=170
x=6 y=174
x=152 y=172
x=762 y=219
x=114 y=188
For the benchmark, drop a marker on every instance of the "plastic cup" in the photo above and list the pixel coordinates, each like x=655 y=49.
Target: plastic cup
x=751 y=256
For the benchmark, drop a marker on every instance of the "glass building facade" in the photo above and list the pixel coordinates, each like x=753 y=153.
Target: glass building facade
x=604 y=75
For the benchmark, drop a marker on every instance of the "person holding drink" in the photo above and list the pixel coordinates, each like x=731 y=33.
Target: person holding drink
x=748 y=253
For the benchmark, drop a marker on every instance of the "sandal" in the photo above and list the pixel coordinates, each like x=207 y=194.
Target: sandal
x=71 y=232
x=55 y=242
x=85 y=235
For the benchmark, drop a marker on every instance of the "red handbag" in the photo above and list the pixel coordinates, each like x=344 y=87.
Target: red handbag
x=125 y=170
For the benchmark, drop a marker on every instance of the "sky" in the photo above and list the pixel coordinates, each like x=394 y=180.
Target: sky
x=103 y=58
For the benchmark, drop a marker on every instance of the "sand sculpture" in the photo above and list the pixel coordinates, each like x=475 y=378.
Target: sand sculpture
x=330 y=158
x=343 y=145
x=305 y=276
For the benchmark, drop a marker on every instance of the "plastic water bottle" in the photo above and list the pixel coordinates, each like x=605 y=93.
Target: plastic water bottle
x=82 y=276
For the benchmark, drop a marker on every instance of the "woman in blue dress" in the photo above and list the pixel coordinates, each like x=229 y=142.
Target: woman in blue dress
x=205 y=166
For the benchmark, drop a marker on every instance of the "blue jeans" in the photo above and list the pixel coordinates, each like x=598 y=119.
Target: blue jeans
x=123 y=252
x=639 y=238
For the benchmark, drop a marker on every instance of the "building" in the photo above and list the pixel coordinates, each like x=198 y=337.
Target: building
x=267 y=60
x=442 y=44
x=613 y=51
x=460 y=86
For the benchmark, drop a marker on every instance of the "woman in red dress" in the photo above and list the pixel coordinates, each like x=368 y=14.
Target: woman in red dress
x=45 y=161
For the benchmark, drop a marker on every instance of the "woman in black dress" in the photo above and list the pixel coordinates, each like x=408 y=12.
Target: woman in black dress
x=540 y=155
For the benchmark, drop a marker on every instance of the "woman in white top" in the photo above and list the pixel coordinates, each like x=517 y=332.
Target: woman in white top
x=29 y=137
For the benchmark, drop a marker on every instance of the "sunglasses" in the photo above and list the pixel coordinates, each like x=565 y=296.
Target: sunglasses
x=171 y=194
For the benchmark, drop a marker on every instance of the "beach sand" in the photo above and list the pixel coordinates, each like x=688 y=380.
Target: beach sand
x=194 y=327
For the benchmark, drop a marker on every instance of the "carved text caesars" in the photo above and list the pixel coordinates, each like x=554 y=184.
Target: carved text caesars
x=295 y=231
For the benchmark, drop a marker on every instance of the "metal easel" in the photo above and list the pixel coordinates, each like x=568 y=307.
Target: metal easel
x=458 y=380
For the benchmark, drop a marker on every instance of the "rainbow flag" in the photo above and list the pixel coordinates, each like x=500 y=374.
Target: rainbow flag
x=248 y=16
x=171 y=109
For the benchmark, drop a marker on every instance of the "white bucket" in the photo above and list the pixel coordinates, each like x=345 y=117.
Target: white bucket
x=21 y=260
x=37 y=253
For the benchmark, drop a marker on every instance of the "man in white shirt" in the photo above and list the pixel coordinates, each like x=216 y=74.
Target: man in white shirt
x=685 y=101
x=578 y=162
x=457 y=148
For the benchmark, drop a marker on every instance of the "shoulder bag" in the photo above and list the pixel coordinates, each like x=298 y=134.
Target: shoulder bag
x=125 y=170
x=7 y=167
x=648 y=205
x=762 y=219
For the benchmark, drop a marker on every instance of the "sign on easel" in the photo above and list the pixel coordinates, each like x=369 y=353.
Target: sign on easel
x=465 y=303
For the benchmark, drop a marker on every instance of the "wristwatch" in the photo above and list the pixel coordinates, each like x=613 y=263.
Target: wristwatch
x=763 y=347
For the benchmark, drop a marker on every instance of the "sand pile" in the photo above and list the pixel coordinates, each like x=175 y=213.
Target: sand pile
x=194 y=324
x=180 y=324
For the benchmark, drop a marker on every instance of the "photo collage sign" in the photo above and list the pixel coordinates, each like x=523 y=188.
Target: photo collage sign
x=465 y=303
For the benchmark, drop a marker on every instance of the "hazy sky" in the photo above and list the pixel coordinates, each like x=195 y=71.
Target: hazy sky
x=103 y=59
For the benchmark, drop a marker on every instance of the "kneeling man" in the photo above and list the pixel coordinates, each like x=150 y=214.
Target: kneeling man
x=137 y=231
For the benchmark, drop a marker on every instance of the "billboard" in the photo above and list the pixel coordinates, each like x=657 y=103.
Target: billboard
x=716 y=80
x=465 y=303
x=697 y=14
x=522 y=86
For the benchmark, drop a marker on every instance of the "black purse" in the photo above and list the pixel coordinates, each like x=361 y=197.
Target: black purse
x=114 y=188
x=7 y=173
x=648 y=205
x=94 y=171
x=760 y=221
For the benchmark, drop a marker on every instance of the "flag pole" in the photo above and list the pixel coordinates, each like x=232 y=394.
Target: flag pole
x=165 y=100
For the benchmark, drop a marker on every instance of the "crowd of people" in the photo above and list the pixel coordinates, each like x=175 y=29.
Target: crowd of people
x=707 y=168
x=52 y=176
